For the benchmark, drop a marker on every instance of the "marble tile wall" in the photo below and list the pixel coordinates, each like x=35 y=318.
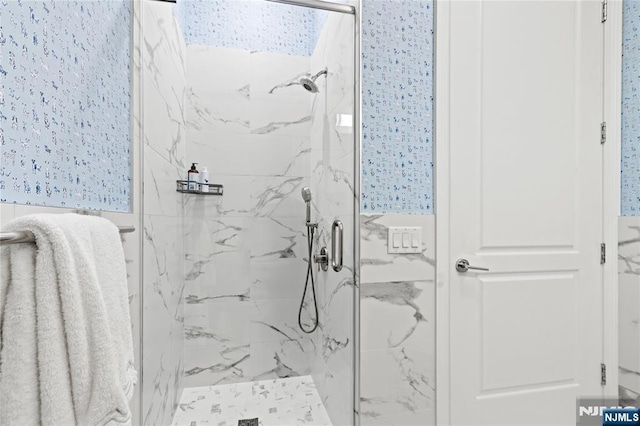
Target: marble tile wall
x=628 y=302
x=264 y=138
x=163 y=93
x=246 y=251
x=332 y=185
x=397 y=292
x=397 y=325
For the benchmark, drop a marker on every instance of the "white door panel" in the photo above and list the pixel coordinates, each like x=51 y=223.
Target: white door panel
x=525 y=202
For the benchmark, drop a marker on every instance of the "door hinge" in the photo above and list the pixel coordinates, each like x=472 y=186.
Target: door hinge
x=604 y=11
x=603 y=253
x=603 y=374
x=603 y=132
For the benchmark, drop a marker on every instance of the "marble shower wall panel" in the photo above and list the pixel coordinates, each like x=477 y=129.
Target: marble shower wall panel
x=164 y=86
x=376 y=265
x=332 y=185
x=397 y=291
x=397 y=316
x=162 y=333
x=164 y=76
x=629 y=300
x=397 y=358
x=246 y=250
x=242 y=92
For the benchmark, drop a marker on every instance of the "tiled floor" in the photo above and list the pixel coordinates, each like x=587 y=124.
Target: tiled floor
x=280 y=402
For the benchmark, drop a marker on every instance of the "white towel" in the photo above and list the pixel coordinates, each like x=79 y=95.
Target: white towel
x=66 y=351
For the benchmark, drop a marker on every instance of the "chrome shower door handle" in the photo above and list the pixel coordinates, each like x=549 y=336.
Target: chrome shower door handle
x=335 y=247
x=462 y=265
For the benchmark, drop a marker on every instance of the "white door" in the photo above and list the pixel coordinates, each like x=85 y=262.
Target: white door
x=525 y=108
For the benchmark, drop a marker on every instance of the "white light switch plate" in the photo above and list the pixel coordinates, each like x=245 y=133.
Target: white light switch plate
x=404 y=239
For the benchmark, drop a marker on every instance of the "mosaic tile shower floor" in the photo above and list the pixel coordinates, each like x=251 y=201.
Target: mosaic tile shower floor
x=279 y=402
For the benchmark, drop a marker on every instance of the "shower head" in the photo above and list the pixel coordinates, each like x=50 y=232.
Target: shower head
x=306 y=194
x=309 y=83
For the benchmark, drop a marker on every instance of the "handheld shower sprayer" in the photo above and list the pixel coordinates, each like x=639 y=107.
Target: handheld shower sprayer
x=311 y=227
x=306 y=196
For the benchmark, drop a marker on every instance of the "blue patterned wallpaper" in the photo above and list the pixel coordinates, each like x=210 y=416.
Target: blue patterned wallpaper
x=64 y=103
x=255 y=25
x=397 y=106
x=630 y=182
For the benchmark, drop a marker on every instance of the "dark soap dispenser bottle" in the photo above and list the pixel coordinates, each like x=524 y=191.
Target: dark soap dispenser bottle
x=193 y=178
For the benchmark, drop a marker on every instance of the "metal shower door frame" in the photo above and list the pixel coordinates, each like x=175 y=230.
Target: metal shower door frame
x=357 y=119
x=320 y=4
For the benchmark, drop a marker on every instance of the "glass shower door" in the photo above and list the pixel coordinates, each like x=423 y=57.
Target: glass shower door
x=262 y=95
x=333 y=165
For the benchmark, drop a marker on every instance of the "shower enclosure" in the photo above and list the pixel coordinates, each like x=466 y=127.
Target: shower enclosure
x=262 y=94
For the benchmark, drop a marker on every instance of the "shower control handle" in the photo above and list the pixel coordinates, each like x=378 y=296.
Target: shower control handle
x=462 y=265
x=322 y=259
x=337 y=249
